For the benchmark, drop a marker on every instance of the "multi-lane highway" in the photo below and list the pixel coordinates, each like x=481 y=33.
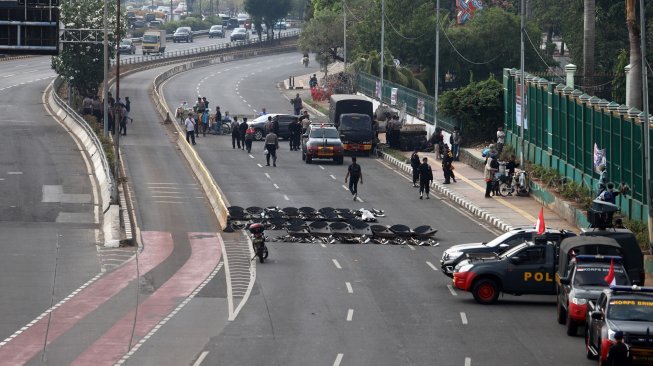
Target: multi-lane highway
x=310 y=304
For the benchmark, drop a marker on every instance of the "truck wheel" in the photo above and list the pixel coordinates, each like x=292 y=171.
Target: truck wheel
x=562 y=314
x=486 y=291
x=572 y=328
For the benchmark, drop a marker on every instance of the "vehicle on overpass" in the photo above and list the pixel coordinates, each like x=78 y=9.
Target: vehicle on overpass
x=239 y=34
x=216 y=31
x=154 y=41
x=127 y=47
x=184 y=34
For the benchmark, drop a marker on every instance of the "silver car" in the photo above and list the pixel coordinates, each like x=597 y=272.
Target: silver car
x=239 y=34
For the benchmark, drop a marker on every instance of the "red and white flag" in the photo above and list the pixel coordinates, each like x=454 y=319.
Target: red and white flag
x=539 y=224
x=610 y=279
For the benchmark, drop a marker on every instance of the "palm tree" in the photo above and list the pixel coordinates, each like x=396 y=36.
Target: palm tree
x=635 y=92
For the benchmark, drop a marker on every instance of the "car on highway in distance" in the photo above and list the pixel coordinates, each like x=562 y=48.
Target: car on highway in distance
x=284 y=121
x=127 y=47
x=281 y=25
x=584 y=281
x=455 y=254
x=155 y=24
x=138 y=23
x=621 y=308
x=182 y=34
x=216 y=31
x=239 y=34
x=322 y=141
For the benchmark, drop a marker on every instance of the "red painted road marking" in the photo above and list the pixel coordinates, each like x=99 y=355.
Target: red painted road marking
x=158 y=246
x=205 y=256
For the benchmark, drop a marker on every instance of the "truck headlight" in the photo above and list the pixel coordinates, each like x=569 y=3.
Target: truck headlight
x=577 y=301
x=451 y=255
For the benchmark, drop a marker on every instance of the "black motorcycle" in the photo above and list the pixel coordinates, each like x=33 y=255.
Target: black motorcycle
x=258 y=241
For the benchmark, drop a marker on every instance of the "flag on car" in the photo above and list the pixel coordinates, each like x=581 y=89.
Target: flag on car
x=610 y=279
x=539 y=224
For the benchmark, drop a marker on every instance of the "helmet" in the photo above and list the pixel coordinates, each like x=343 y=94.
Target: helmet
x=256 y=228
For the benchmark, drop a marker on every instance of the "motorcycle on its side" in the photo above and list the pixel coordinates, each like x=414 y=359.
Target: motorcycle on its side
x=258 y=241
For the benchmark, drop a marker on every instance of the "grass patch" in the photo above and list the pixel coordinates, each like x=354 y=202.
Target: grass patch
x=318 y=107
x=397 y=154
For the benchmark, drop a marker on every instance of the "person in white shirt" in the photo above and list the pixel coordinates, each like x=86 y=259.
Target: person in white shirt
x=501 y=139
x=190 y=129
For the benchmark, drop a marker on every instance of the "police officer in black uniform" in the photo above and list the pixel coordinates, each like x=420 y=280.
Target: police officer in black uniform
x=619 y=353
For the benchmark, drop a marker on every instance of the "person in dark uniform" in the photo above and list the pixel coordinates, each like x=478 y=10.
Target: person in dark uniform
x=425 y=178
x=235 y=133
x=415 y=163
x=354 y=173
x=447 y=160
x=243 y=130
x=295 y=133
x=619 y=353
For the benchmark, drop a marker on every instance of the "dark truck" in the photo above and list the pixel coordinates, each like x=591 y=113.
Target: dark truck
x=621 y=308
x=528 y=268
x=353 y=116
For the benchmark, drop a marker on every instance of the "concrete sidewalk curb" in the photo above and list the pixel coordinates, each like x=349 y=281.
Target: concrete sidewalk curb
x=455 y=197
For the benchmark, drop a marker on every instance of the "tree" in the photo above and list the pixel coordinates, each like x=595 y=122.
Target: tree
x=635 y=95
x=269 y=12
x=81 y=64
x=323 y=35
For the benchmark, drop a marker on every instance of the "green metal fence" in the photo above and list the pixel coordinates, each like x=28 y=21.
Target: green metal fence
x=562 y=128
x=367 y=84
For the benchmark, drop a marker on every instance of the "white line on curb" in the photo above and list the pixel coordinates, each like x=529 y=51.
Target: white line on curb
x=335 y=262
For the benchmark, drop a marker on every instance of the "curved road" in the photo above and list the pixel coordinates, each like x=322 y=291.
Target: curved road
x=355 y=304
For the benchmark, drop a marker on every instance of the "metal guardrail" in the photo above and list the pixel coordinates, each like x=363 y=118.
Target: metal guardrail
x=202 y=49
x=84 y=125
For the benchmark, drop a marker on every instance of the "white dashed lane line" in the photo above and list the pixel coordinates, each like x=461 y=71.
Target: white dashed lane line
x=332 y=176
x=251 y=156
x=335 y=263
x=345 y=187
x=201 y=358
x=276 y=186
x=339 y=359
x=321 y=167
x=286 y=198
x=259 y=165
x=350 y=314
x=431 y=265
x=453 y=292
x=267 y=175
x=468 y=361
x=350 y=289
x=463 y=317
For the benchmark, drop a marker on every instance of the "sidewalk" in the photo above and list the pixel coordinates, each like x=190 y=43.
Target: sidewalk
x=469 y=192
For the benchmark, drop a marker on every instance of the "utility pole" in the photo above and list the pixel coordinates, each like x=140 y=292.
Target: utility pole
x=382 y=45
x=116 y=122
x=522 y=80
x=105 y=89
x=344 y=38
x=437 y=64
x=646 y=124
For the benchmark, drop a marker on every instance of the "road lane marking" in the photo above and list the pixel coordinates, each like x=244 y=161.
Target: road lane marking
x=431 y=265
x=359 y=200
x=14 y=173
x=345 y=187
x=259 y=165
x=468 y=361
x=338 y=360
x=453 y=292
x=323 y=245
x=411 y=247
x=276 y=186
x=335 y=262
x=332 y=176
x=201 y=358
x=321 y=167
x=267 y=175
x=463 y=317
x=349 y=288
x=286 y=198
x=251 y=156
x=350 y=314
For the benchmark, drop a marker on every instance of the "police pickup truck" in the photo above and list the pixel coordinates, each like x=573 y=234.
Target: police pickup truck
x=621 y=308
x=529 y=268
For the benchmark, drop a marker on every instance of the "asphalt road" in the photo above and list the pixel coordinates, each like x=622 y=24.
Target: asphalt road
x=47 y=221
x=354 y=304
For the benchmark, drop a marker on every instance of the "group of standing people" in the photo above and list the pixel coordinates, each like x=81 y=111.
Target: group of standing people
x=423 y=173
x=117 y=111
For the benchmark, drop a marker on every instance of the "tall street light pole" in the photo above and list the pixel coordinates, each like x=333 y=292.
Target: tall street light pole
x=523 y=89
x=105 y=89
x=382 y=45
x=116 y=121
x=646 y=123
x=437 y=65
x=344 y=38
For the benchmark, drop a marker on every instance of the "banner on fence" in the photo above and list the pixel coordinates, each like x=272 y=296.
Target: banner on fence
x=518 y=105
x=377 y=90
x=393 y=96
x=599 y=157
x=420 y=108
